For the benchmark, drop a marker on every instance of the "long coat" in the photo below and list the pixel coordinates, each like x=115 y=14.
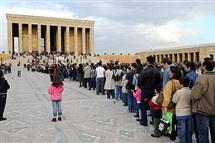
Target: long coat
x=109 y=82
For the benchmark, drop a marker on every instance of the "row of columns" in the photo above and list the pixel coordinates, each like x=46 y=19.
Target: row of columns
x=178 y=57
x=67 y=39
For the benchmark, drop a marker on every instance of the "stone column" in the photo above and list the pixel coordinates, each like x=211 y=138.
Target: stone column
x=30 y=38
x=59 y=39
x=188 y=57
x=76 y=40
x=83 y=40
x=39 y=37
x=194 y=56
x=10 y=38
x=67 y=41
x=20 y=38
x=92 y=48
x=183 y=57
x=48 y=38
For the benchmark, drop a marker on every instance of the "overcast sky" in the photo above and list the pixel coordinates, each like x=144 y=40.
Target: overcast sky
x=127 y=25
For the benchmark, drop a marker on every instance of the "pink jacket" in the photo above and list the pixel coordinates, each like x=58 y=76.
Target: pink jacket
x=137 y=94
x=55 y=93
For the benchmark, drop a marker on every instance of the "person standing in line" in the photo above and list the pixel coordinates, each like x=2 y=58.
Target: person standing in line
x=166 y=75
x=87 y=70
x=55 y=91
x=168 y=91
x=109 y=82
x=100 y=78
x=137 y=93
x=203 y=102
x=19 y=69
x=80 y=71
x=4 y=86
x=149 y=80
x=182 y=100
x=92 y=84
x=118 y=82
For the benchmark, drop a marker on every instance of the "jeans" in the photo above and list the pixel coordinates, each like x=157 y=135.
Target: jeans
x=118 y=92
x=99 y=85
x=125 y=98
x=203 y=124
x=184 y=129
x=92 y=84
x=130 y=101
x=57 y=110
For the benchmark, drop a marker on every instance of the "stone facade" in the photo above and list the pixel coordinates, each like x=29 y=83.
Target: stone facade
x=180 y=54
x=45 y=34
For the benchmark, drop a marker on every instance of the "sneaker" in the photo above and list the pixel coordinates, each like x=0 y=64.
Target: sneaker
x=59 y=119
x=54 y=120
x=138 y=120
x=136 y=116
x=143 y=124
x=155 y=136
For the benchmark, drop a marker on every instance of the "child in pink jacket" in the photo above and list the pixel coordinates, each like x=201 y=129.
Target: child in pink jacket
x=55 y=91
x=137 y=94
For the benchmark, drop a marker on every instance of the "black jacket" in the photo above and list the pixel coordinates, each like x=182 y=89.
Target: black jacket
x=149 y=79
x=4 y=86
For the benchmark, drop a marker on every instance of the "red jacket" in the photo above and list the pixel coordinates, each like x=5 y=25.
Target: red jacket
x=154 y=105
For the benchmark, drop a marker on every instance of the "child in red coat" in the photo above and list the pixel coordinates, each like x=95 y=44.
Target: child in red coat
x=156 y=114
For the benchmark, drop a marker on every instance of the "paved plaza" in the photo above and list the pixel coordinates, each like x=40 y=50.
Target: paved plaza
x=88 y=118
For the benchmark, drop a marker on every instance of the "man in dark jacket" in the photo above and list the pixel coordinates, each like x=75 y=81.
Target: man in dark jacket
x=149 y=80
x=4 y=86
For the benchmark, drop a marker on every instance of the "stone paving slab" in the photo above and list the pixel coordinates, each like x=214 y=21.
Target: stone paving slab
x=88 y=118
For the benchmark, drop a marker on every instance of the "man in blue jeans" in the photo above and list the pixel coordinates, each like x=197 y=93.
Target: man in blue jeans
x=203 y=102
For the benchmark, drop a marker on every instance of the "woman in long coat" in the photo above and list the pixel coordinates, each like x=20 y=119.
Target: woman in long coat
x=109 y=83
x=169 y=89
x=4 y=86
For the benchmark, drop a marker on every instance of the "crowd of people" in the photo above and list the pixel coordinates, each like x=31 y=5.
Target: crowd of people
x=179 y=97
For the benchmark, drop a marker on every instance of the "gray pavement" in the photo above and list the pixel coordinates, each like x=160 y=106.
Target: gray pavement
x=88 y=118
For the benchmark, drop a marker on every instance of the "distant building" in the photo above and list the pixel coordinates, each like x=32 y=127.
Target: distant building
x=180 y=54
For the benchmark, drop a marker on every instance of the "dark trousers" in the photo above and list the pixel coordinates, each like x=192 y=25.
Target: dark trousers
x=203 y=124
x=92 y=83
x=173 y=133
x=147 y=95
x=110 y=93
x=100 y=85
x=86 y=82
x=2 y=104
x=143 y=118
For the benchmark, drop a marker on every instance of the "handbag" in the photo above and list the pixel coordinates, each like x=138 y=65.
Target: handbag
x=165 y=125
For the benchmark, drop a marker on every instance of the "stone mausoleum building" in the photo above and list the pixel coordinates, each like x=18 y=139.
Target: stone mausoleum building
x=46 y=34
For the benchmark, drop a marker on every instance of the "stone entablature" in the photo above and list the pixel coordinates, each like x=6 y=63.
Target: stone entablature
x=25 y=19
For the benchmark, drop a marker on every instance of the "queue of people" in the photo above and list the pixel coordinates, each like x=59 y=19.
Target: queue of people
x=179 y=97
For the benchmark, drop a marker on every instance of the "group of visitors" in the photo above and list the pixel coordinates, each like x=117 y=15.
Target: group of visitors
x=179 y=97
